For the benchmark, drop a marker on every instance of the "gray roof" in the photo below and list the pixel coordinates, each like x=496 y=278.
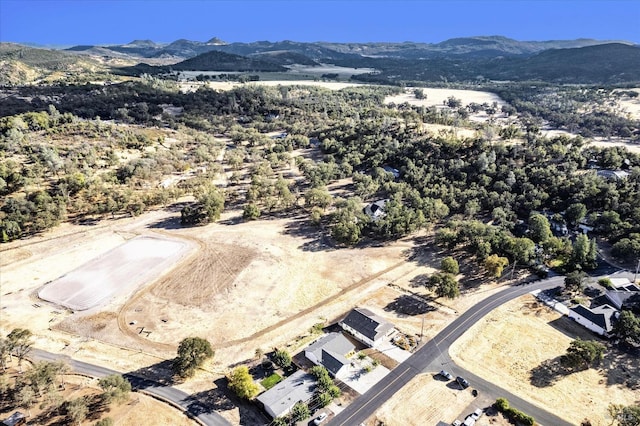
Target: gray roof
x=333 y=362
x=367 y=323
x=600 y=316
x=300 y=386
x=330 y=350
x=14 y=419
x=613 y=174
x=618 y=298
x=334 y=343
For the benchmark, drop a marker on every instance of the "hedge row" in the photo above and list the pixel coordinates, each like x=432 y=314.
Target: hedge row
x=514 y=415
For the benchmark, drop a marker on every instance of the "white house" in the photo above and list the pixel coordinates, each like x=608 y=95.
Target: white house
x=599 y=320
x=331 y=352
x=367 y=327
x=375 y=210
x=281 y=398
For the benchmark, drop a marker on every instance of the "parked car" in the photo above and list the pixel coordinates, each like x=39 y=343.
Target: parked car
x=321 y=418
x=445 y=374
x=462 y=382
x=456 y=423
x=477 y=414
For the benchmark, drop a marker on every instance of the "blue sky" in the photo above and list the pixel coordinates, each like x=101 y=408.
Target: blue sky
x=71 y=22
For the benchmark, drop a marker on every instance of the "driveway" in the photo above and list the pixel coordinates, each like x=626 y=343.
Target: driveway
x=393 y=352
x=359 y=379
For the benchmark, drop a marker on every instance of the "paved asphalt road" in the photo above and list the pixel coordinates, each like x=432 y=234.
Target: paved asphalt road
x=195 y=409
x=435 y=353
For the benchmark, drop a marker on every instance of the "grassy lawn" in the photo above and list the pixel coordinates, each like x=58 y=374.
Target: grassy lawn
x=271 y=381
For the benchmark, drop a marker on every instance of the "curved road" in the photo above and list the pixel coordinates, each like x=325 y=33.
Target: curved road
x=190 y=405
x=435 y=352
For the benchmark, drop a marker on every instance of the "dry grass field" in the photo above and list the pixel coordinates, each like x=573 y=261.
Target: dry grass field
x=426 y=400
x=135 y=411
x=522 y=341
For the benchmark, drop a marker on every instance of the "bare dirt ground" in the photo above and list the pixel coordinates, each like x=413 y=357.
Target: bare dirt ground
x=436 y=97
x=520 y=348
x=631 y=106
x=191 y=86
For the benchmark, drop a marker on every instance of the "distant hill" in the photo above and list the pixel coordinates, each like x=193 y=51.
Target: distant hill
x=605 y=63
x=467 y=47
x=456 y=59
x=221 y=61
x=21 y=64
x=284 y=57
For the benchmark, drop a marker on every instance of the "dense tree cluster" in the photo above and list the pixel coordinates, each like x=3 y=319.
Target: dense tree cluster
x=544 y=180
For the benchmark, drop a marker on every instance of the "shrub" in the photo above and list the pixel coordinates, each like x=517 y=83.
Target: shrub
x=282 y=358
x=605 y=282
x=501 y=404
x=514 y=415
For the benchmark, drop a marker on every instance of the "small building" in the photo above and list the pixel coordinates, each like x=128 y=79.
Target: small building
x=367 y=327
x=281 y=398
x=613 y=174
x=375 y=210
x=599 y=319
x=393 y=171
x=331 y=352
x=15 y=419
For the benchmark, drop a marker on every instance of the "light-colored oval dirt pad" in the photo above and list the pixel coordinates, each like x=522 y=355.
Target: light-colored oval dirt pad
x=119 y=271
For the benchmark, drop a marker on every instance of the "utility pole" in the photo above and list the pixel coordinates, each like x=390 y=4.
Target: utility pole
x=636 y=274
x=422 y=328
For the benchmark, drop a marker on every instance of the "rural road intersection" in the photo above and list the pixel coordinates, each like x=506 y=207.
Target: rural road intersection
x=429 y=358
x=435 y=352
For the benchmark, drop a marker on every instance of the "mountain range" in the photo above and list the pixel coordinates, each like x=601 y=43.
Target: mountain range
x=458 y=59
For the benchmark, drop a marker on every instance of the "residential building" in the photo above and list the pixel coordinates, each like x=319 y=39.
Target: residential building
x=367 y=327
x=375 y=210
x=331 y=352
x=281 y=398
x=599 y=319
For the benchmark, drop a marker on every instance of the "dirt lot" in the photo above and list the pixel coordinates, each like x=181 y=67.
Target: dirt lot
x=436 y=97
x=520 y=348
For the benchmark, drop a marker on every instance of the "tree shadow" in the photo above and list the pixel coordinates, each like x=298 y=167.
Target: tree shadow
x=621 y=367
x=219 y=399
x=548 y=373
x=159 y=374
x=172 y=222
x=420 y=280
x=317 y=238
x=409 y=305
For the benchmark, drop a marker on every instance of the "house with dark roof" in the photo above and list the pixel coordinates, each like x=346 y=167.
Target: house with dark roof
x=367 y=327
x=331 y=351
x=375 y=210
x=599 y=319
x=281 y=398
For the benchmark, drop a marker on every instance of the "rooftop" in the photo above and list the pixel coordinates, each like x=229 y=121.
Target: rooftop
x=367 y=323
x=300 y=386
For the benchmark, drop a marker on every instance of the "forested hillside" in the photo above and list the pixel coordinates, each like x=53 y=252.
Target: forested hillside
x=483 y=182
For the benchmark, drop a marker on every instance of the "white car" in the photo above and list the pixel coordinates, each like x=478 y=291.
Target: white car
x=321 y=418
x=477 y=414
